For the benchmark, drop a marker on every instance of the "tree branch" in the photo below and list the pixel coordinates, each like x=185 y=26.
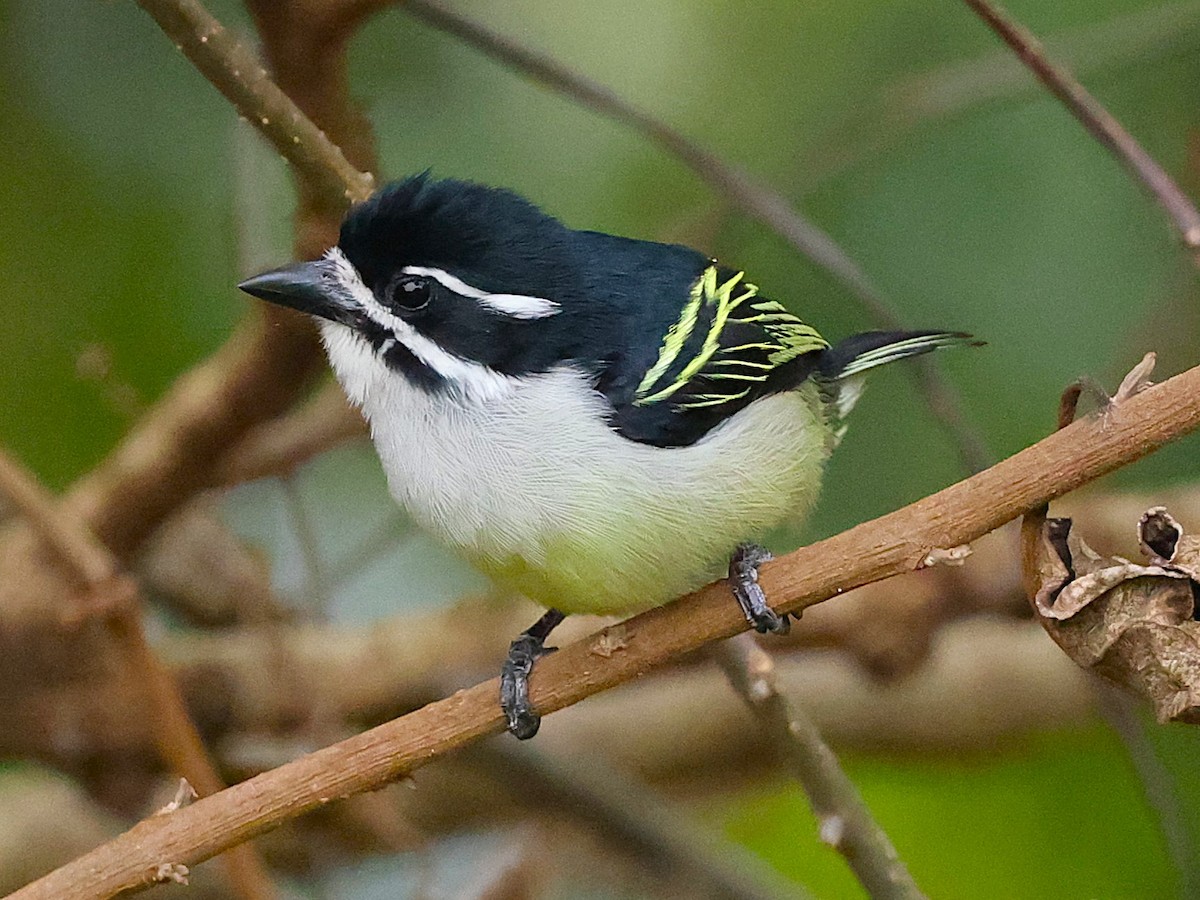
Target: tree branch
x=117 y=596
x=1141 y=38
x=283 y=445
x=305 y=44
x=895 y=543
x=845 y=822
x=238 y=74
x=173 y=451
x=1096 y=119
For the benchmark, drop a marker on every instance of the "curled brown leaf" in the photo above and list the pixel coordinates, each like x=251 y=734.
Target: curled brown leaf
x=1133 y=623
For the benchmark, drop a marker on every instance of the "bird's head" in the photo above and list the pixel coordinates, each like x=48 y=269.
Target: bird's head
x=447 y=282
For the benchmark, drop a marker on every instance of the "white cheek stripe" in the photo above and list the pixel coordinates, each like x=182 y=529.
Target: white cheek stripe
x=476 y=380
x=519 y=306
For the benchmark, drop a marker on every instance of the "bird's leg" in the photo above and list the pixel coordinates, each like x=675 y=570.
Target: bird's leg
x=743 y=580
x=523 y=722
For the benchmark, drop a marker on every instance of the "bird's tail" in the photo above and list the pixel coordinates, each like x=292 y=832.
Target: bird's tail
x=844 y=365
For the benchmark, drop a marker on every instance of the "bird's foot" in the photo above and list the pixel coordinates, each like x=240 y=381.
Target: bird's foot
x=743 y=581
x=523 y=721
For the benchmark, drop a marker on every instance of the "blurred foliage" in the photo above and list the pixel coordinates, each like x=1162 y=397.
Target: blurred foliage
x=1069 y=826
x=122 y=232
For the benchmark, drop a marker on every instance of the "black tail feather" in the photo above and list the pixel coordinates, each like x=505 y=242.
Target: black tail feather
x=860 y=352
x=843 y=365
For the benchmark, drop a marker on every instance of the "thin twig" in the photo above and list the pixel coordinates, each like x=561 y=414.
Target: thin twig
x=845 y=821
x=179 y=741
x=238 y=74
x=895 y=543
x=90 y=562
x=1096 y=119
x=304 y=44
x=279 y=447
x=1141 y=38
x=314 y=590
x=745 y=193
x=734 y=185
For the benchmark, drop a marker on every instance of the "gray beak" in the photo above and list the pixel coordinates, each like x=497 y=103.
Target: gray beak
x=308 y=287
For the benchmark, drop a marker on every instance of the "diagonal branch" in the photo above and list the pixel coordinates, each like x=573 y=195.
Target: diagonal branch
x=734 y=185
x=178 y=739
x=738 y=187
x=174 y=450
x=1141 y=38
x=1096 y=119
x=239 y=75
x=896 y=543
x=845 y=822
x=629 y=815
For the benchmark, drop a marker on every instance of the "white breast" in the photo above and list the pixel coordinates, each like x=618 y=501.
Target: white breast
x=533 y=486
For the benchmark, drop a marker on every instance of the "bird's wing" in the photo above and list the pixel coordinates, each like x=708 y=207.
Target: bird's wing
x=728 y=347
x=727 y=342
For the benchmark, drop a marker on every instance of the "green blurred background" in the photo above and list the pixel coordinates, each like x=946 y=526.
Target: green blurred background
x=131 y=198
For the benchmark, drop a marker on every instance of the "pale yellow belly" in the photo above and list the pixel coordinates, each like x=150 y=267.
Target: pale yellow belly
x=654 y=532
x=538 y=492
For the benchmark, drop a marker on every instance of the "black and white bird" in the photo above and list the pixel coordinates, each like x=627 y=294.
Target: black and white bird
x=597 y=422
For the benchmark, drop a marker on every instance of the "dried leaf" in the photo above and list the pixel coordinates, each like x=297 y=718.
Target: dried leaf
x=1133 y=623
x=1137 y=380
x=1159 y=534
x=1045 y=558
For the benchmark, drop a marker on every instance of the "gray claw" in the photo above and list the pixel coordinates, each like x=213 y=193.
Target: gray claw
x=743 y=581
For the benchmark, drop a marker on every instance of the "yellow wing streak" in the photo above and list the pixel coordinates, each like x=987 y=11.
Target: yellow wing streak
x=677 y=336
x=786 y=338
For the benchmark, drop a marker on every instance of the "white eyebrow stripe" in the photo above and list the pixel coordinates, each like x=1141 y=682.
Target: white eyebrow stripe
x=519 y=306
x=475 y=380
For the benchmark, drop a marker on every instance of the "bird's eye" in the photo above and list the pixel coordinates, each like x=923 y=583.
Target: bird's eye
x=410 y=293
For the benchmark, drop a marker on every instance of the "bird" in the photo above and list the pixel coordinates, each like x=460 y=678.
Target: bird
x=598 y=422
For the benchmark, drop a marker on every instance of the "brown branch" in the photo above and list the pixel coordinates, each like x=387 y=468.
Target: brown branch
x=267 y=680
x=90 y=563
x=895 y=543
x=735 y=186
x=845 y=821
x=281 y=446
x=258 y=374
x=1096 y=119
x=239 y=75
x=1140 y=38
x=305 y=43
x=168 y=457
x=172 y=453
x=984 y=679
x=196 y=567
x=117 y=595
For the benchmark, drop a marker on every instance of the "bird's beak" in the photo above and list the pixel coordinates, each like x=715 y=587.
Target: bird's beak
x=308 y=287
